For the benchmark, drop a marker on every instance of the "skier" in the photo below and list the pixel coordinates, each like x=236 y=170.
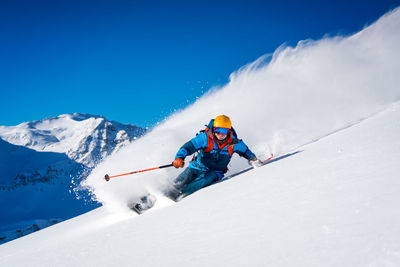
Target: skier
x=214 y=146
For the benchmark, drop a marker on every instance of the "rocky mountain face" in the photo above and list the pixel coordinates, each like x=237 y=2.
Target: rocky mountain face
x=42 y=162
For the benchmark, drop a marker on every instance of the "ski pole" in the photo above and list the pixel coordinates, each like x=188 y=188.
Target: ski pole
x=107 y=177
x=270 y=157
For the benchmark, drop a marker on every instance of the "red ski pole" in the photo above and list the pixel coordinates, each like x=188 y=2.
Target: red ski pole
x=107 y=177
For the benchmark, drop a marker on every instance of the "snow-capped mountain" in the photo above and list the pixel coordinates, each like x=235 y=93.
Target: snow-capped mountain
x=82 y=137
x=43 y=161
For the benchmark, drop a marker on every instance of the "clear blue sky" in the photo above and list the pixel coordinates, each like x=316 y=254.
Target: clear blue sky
x=137 y=61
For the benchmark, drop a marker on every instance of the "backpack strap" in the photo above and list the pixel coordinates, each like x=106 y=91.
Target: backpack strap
x=210 y=142
x=230 y=149
x=232 y=146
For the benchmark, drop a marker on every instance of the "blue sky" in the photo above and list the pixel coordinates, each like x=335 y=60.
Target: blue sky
x=137 y=61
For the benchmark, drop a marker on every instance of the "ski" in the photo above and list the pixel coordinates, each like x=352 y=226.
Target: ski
x=143 y=204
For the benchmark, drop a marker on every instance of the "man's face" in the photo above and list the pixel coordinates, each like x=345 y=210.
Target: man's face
x=221 y=136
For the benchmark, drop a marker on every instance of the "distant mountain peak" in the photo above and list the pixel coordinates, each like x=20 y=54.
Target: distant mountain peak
x=80 y=116
x=73 y=134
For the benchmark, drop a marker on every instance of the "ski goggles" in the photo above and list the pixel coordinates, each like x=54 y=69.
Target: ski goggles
x=221 y=130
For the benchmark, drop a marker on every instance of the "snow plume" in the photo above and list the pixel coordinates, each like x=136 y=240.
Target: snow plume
x=278 y=103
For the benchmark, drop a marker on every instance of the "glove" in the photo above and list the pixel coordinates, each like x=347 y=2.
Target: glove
x=178 y=163
x=255 y=162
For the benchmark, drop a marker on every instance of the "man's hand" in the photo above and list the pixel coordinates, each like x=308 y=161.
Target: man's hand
x=179 y=163
x=255 y=162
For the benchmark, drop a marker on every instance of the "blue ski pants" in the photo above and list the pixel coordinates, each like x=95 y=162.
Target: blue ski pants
x=191 y=180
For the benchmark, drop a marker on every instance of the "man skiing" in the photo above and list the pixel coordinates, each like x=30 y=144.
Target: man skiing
x=215 y=146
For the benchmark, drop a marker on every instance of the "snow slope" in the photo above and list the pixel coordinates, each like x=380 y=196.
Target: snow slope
x=42 y=163
x=335 y=203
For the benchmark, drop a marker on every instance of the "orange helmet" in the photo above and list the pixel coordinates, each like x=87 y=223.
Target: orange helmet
x=222 y=121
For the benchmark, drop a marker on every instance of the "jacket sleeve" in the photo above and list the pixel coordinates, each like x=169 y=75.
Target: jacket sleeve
x=195 y=144
x=243 y=151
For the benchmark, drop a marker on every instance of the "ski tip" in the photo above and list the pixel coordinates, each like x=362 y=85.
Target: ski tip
x=136 y=207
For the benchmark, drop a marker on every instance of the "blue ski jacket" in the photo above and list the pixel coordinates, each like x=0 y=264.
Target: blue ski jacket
x=212 y=155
